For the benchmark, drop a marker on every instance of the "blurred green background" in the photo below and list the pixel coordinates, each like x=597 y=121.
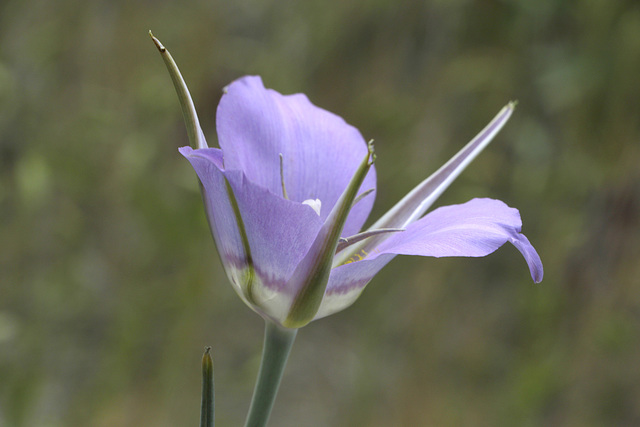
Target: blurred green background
x=110 y=286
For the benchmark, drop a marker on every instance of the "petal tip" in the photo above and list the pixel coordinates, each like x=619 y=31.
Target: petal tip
x=537 y=273
x=185 y=151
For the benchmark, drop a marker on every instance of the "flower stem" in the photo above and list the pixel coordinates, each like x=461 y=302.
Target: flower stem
x=277 y=345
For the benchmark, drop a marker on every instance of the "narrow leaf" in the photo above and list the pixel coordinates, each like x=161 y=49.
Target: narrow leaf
x=207 y=408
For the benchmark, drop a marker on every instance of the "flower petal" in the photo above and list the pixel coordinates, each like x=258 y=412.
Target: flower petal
x=476 y=228
x=320 y=151
x=270 y=237
x=347 y=281
x=279 y=231
x=220 y=214
x=311 y=276
x=416 y=202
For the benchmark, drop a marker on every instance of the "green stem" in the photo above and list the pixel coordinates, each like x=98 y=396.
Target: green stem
x=277 y=345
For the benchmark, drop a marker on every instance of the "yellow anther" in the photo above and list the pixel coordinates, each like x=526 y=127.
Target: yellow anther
x=356 y=257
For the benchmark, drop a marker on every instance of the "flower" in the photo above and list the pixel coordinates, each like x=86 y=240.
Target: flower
x=289 y=189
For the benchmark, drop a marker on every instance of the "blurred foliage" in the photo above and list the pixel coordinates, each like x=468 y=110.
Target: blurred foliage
x=109 y=282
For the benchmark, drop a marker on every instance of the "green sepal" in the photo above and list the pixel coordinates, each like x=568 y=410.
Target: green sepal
x=314 y=273
x=196 y=138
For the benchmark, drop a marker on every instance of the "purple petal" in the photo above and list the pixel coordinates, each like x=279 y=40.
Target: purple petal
x=222 y=220
x=416 y=203
x=311 y=276
x=279 y=231
x=347 y=281
x=321 y=152
x=476 y=228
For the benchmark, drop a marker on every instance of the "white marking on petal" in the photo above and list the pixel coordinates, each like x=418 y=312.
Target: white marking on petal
x=315 y=204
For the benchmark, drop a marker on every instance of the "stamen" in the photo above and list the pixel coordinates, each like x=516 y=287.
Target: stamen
x=284 y=190
x=348 y=241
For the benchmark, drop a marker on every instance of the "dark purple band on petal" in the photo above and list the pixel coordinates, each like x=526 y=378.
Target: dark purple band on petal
x=355 y=275
x=279 y=231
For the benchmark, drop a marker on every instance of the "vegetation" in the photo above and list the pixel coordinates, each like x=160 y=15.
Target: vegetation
x=110 y=286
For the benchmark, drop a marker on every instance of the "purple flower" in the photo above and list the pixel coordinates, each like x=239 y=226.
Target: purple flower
x=290 y=188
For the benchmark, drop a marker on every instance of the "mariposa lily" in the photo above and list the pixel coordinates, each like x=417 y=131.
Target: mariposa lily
x=290 y=188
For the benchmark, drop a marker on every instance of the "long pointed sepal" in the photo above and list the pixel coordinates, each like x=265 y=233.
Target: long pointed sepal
x=312 y=274
x=196 y=137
